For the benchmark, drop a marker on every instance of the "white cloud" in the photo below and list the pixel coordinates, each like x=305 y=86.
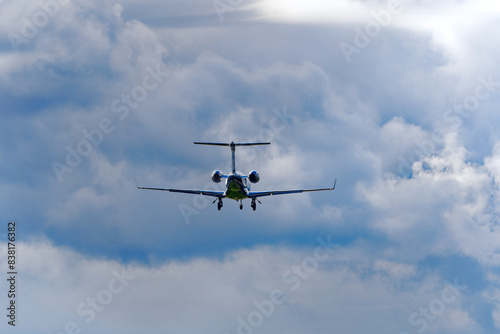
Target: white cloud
x=448 y=202
x=459 y=28
x=335 y=292
x=296 y=11
x=367 y=123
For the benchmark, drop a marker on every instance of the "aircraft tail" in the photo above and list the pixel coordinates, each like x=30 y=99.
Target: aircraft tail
x=233 y=148
x=231 y=144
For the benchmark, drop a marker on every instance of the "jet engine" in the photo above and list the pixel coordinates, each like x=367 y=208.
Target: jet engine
x=217 y=176
x=254 y=176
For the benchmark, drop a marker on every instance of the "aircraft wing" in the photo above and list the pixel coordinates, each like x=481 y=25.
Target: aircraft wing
x=255 y=194
x=186 y=191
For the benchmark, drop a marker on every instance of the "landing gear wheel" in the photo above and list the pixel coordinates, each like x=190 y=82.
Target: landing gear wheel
x=254 y=205
x=241 y=205
x=219 y=205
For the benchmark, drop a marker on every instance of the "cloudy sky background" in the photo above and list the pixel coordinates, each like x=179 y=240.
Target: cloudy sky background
x=407 y=123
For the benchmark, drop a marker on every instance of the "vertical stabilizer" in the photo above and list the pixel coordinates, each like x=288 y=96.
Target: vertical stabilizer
x=233 y=149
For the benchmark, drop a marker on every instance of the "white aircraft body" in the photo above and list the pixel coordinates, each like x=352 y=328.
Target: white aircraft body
x=237 y=186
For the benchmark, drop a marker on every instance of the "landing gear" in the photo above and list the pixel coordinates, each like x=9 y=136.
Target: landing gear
x=254 y=205
x=241 y=204
x=219 y=204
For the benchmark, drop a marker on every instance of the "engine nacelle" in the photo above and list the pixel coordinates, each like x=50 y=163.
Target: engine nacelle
x=217 y=176
x=254 y=176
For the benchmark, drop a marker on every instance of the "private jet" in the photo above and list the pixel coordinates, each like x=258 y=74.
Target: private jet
x=237 y=187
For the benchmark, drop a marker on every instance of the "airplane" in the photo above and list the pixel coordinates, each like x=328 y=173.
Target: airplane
x=237 y=186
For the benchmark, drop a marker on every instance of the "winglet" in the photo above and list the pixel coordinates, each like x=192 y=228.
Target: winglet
x=334 y=183
x=136 y=183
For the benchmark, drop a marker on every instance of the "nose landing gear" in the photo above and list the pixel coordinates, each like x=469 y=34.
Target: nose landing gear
x=241 y=204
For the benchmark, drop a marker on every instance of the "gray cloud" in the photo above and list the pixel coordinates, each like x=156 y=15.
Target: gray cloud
x=417 y=177
x=96 y=294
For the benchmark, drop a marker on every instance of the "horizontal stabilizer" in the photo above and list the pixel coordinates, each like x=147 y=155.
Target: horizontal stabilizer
x=230 y=144
x=233 y=148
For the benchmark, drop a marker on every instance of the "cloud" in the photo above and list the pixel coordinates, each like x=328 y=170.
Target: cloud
x=417 y=174
x=458 y=194
x=317 y=288
x=318 y=11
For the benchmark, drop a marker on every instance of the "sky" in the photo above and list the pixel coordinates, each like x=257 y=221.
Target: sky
x=397 y=100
